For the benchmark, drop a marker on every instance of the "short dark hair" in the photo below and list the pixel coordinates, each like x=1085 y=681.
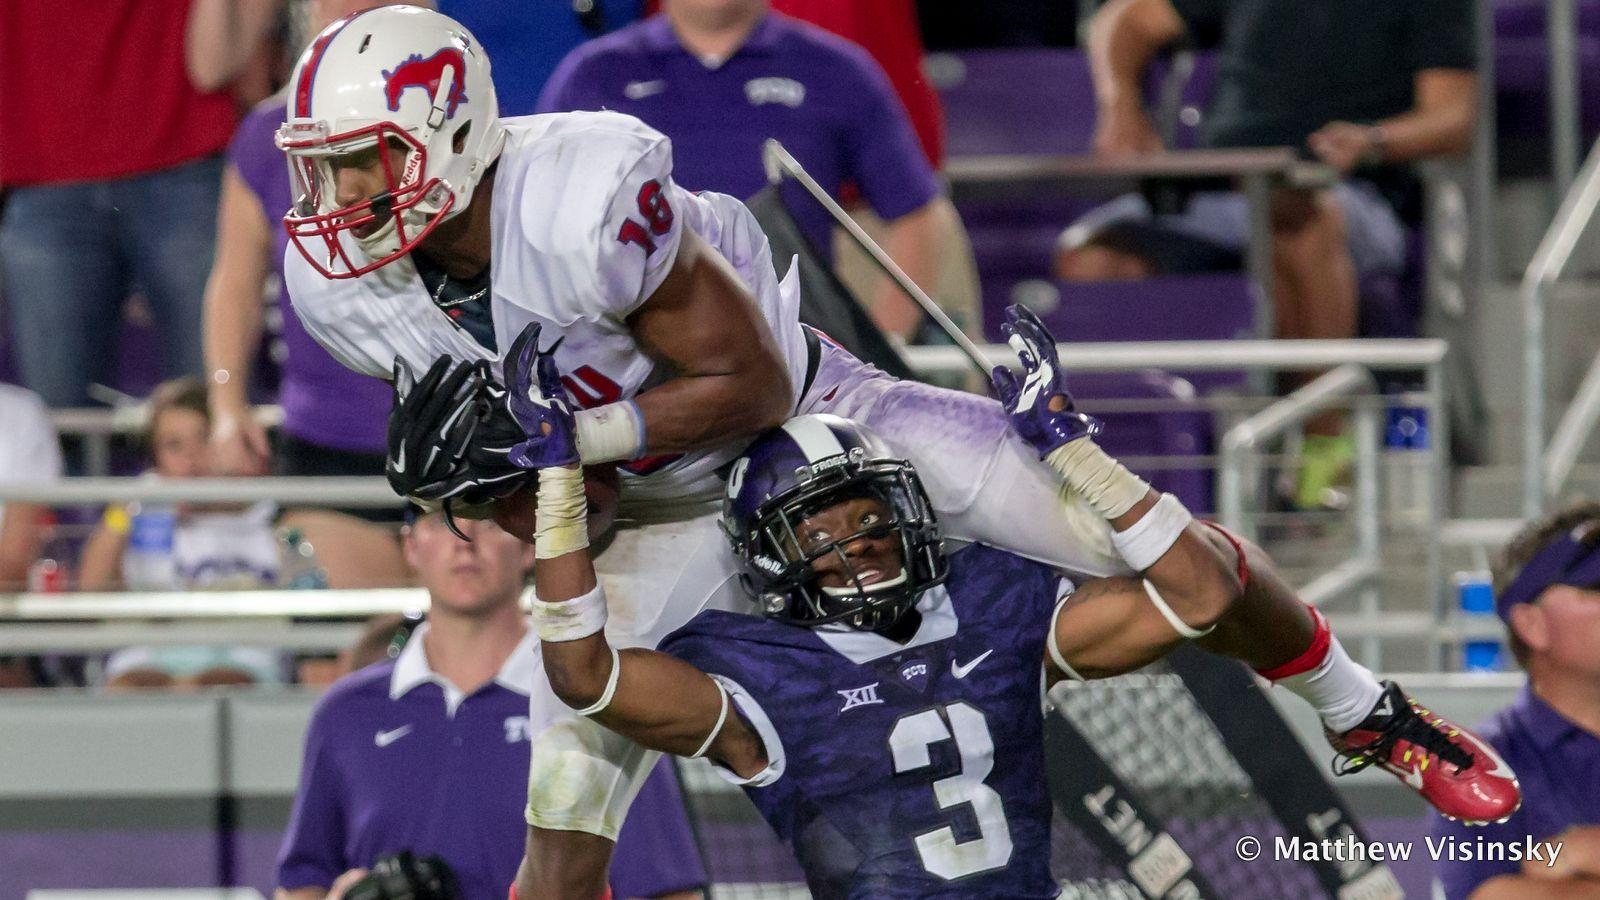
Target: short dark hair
x=1533 y=537
x=178 y=393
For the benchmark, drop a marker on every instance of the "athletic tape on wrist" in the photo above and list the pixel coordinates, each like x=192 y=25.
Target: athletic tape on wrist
x=1178 y=625
x=599 y=706
x=563 y=523
x=1148 y=539
x=1055 y=650
x=722 y=717
x=570 y=620
x=611 y=432
x=1106 y=484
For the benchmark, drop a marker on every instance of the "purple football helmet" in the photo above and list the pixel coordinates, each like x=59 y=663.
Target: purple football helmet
x=801 y=469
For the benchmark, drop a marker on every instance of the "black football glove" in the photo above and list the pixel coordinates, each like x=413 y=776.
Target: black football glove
x=449 y=435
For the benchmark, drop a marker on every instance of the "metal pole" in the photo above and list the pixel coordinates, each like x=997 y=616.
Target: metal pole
x=1258 y=254
x=1438 y=407
x=1561 y=29
x=1572 y=432
x=1549 y=260
x=1368 y=539
x=1483 y=167
x=780 y=161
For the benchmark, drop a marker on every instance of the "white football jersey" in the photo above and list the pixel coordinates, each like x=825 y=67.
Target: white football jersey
x=586 y=222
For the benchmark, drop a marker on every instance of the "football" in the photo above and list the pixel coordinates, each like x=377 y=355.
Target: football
x=517 y=514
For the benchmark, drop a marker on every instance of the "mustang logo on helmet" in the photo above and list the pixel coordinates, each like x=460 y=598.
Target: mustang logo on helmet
x=425 y=73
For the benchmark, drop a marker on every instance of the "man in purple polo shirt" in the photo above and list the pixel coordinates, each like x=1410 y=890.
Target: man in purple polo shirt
x=1548 y=592
x=719 y=77
x=429 y=752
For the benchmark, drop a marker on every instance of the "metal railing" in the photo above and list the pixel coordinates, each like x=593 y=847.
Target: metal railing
x=1240 y=481
x=1542 y=475
x=73 y=618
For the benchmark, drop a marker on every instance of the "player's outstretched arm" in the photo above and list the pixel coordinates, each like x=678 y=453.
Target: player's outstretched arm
x=1194 y=571
x=652 y=698
x=657 y=700
x=729 y=379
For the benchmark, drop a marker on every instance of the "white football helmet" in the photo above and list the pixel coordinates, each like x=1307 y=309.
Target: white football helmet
x=398 y=76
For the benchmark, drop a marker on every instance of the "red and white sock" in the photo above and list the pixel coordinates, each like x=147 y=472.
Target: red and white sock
x=1341 y=690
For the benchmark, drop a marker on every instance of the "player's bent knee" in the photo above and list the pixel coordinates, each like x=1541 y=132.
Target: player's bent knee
x=583 y=777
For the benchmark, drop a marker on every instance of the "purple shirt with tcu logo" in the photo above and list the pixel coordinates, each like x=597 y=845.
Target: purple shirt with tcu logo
x=324 y=403
x=1558 y=765
x=822 y=96
x=397 y=759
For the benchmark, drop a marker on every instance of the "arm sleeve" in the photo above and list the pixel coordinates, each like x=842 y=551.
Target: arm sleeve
x=313 y=845
x=748 y=709
x=331 y=313
x=640 y=232
x=883 y=157
x=706 y=652
x=1443 y=35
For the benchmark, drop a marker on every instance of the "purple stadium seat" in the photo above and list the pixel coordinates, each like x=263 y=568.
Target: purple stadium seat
x=1217 y=306
x=1018 y=101
x=1184 y=431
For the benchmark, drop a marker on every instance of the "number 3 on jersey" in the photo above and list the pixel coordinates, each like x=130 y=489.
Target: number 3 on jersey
x=657 y=218
x=941 y=853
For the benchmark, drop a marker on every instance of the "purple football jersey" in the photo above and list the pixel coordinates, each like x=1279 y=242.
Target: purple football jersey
x=910 y=770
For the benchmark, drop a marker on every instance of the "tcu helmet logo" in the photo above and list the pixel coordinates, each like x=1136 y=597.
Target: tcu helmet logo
x=426 y=73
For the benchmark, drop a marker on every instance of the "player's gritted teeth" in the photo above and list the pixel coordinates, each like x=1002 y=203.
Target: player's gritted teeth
x=872 y=557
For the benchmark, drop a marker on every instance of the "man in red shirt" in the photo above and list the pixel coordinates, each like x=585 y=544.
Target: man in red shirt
x=110 y=165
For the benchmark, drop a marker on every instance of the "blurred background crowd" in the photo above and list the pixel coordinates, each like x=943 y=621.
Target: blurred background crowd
x=140 y=242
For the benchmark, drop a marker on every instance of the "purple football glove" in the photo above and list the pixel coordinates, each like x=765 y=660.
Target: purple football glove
x=539 y=404
x=1029 y=402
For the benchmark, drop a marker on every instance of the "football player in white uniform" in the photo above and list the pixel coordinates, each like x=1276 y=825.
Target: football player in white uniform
x=427 y=231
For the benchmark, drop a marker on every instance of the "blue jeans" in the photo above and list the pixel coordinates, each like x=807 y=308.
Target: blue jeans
x=70 y=254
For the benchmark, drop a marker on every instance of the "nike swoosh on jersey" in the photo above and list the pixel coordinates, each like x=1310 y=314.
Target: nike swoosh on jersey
x=385 y=738
x=638 y=90
x=961 y=671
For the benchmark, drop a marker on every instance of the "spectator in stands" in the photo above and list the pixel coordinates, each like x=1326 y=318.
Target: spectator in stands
x=1366 y=88
x=719 y=77
x=429 y=751
x=333 y=417
x=167 y=547
x=29 y=453
x=887 y=29
x=110 y=162
x=1547 y=590
x=528 y=40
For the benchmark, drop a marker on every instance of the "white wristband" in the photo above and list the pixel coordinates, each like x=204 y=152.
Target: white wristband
x=1148 y=539
x=570 y=620
x=599 y=706
x=1106 y=484
x=1178 y=625
x=611 y=432
x=716 y=729
x=1055 y=649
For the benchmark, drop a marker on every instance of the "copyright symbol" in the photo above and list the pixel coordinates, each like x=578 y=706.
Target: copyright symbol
x=1247 y=848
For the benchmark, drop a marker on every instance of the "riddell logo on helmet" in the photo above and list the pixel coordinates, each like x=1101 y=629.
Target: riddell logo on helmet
x=426 y=73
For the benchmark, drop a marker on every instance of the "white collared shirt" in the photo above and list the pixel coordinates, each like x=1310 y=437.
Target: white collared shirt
x=411 y=670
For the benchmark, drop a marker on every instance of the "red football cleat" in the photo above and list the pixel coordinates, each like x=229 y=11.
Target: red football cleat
x=1456 y=771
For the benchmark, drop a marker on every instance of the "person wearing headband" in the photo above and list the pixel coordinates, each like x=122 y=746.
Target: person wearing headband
x=1547 y=591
